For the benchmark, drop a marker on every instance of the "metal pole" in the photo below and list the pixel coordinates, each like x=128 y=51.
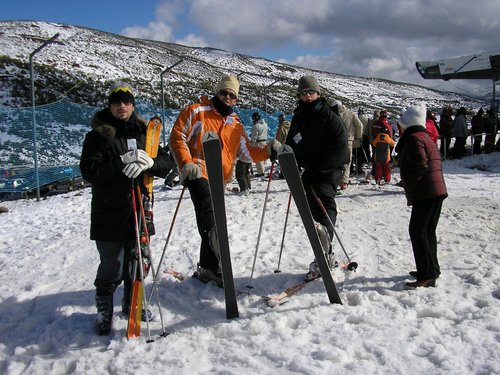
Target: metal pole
x=163 y=100
x=35 y=151
x=265 y=93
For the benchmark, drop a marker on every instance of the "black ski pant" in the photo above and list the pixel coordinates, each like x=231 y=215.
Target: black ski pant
x=423 y=223
x=242 y=174
x=478 y=139
x=459 y=147
x=200 y=196
x=445 y=145
x=115 y=266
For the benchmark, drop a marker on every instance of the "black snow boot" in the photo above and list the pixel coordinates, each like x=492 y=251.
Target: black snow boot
x=104 y=318
x=127 y=295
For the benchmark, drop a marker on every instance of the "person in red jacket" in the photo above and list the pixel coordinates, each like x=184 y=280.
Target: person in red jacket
x=431 y=126
x=382 y=145
x=381 y=123
x=425 y=189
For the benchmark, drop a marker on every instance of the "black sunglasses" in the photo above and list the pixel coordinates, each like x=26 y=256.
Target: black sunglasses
x=228 y=94
x=308 y=92
x=127 y=102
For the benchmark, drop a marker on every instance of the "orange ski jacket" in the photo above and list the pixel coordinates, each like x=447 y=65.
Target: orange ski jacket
x=383 y=144
x=194 y=121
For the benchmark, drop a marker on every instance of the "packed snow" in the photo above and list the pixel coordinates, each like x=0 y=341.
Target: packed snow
x=48 y=267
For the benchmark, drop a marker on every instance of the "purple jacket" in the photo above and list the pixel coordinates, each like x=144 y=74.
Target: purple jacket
x=420 y=166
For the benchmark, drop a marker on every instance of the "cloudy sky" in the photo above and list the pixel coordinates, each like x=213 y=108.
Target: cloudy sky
x=371 y=38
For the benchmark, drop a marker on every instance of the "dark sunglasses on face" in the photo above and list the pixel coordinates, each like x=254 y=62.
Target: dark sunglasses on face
x=127 y=102
x=308 y=92
x=228 y=94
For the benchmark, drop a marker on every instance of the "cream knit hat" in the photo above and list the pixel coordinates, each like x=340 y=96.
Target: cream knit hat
x=229 y=83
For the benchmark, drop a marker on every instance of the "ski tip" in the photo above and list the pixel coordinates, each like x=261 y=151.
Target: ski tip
x=178 y=275
x=273 y=302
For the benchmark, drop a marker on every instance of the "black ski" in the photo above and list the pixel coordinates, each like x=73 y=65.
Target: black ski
x=213 y=162
x=289 y=168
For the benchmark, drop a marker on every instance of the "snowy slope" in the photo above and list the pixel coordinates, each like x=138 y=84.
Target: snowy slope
x=48 y=267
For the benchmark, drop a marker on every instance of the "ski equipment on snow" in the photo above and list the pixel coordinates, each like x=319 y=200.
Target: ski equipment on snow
x=151 y=147
x=213 y=160
x=351 y=266
x=283 y=297
x=277 y=270
x=144 y=228
x=290 y=170
x=261 y=221
x=169 y=235
x=140 y=267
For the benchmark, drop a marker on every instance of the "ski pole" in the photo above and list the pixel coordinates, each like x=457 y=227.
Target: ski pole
x=138 y=219
x=155 y=279
x=284 y=231
x=154 y=289
x=261 y=221
x=351 y=266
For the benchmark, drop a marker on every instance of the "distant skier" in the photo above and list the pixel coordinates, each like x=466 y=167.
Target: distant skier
x=259 y=139
x=382 y=145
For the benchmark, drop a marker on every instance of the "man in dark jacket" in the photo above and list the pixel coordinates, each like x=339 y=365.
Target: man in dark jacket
x=112 y=156
x=425 y=190
x=319 y=141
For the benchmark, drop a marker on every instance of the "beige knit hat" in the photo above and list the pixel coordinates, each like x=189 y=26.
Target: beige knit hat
x=229 y=83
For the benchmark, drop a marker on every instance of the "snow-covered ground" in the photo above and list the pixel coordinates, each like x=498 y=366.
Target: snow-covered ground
x=48 y=267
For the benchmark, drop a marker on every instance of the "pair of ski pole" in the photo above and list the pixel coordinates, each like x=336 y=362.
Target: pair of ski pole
x=351 y=266
x=141 y=229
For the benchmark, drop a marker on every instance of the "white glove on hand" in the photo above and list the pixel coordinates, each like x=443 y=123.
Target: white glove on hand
x=137 y=156
x=130 y=157
x=133 y=170
x=273 y=145
x=144 y=159
x=190 y=171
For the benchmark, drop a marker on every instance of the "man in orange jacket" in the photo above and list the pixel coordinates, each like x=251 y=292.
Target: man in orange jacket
x=216 y=115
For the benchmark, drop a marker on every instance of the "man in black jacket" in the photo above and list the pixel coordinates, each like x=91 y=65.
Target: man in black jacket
x=320 y=144
x=112 y=156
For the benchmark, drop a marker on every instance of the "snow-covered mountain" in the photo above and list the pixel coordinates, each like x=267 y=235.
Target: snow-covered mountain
x=80 y=63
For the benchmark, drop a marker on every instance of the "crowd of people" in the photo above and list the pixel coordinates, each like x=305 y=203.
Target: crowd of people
x=330 y=142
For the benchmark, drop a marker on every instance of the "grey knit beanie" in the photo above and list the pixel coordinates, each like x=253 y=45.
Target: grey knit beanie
x=308 y=82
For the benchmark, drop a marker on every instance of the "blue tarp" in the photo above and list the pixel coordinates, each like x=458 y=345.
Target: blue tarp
x=24 y=180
